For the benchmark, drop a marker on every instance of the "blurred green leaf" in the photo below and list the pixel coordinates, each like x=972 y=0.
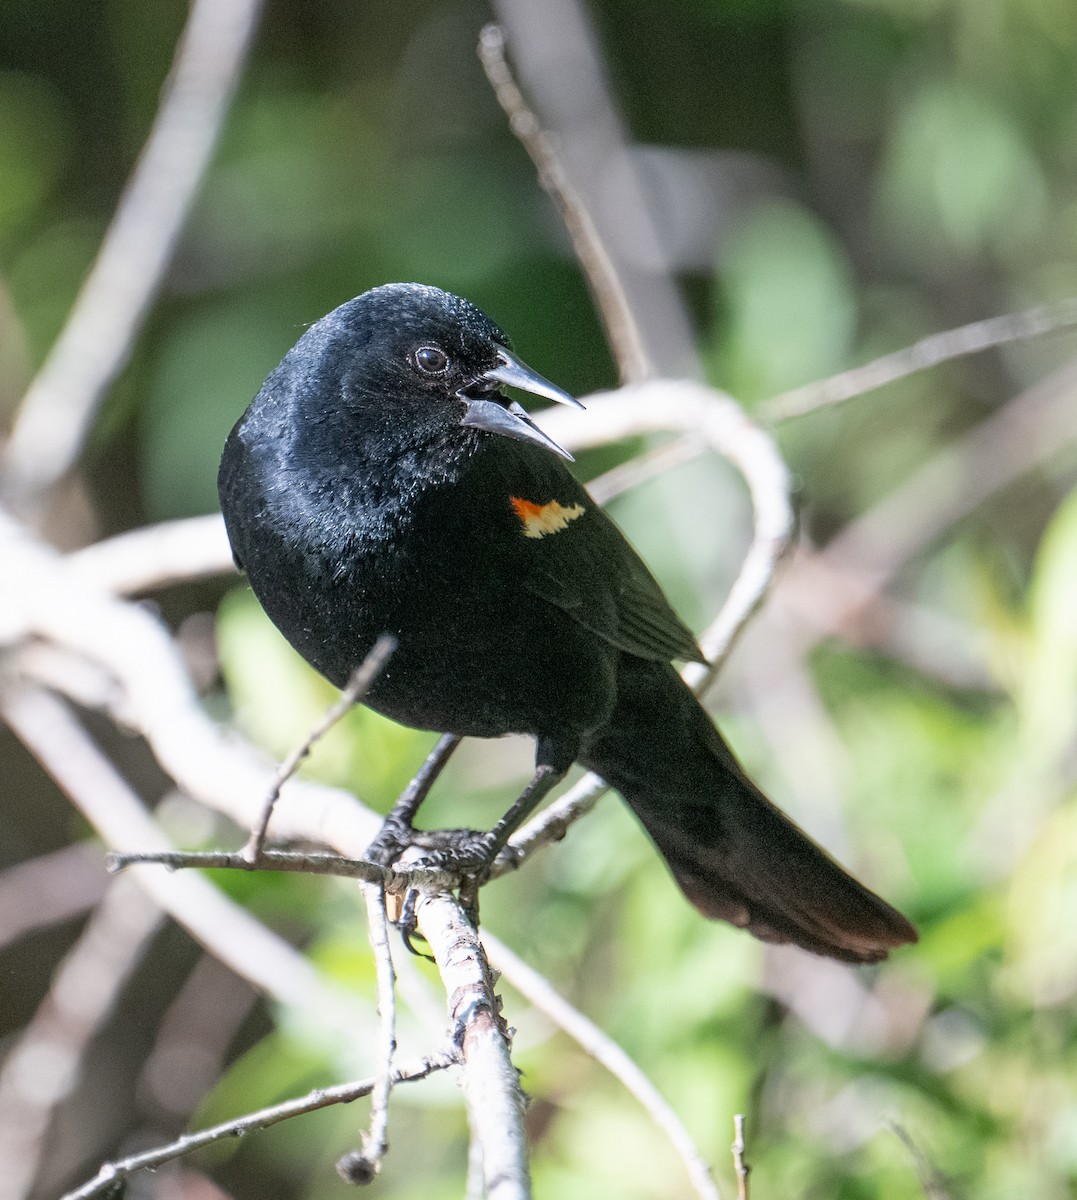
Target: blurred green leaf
x=960 y=177
x=34 y=138
x=789 y=308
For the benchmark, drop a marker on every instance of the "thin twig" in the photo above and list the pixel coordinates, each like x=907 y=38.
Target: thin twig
x=362 y=677
x=603 y=1049
x=922 y=356
x=557 y=56
x=297 y=862
x=59 y=408
x=931 y=1178
x=113 y=1173
x=363 y=1166
x=740 y=1163
x=622 y=331
x=1026 y=432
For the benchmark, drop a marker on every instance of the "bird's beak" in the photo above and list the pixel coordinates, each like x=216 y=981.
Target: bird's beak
x=511 y=419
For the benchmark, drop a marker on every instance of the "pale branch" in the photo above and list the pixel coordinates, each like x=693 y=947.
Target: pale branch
x=558 y=61
x=55 y=887
x=1024 y=434
x=740 y=1162
x=114 y=1173
x=928 y=352
x=376 y=1140
x=494 y=1098
x=294 y=861
x=594 y=259
x=642 y=467
x=58 y=410
x=475 y=1183
x=150 y=691
x=538 y=990
x=44 y=1061
x=50 y=732
x=155 y=556
x=134 y=650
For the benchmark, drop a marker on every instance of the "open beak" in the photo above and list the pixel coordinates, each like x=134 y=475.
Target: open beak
x=508 y=417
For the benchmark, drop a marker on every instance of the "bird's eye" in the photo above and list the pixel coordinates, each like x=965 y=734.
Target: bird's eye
x=431 y=360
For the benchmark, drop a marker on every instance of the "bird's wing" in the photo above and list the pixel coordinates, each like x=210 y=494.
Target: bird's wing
x=584 y=566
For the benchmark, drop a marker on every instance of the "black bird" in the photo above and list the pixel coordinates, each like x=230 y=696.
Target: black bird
x=381 y=483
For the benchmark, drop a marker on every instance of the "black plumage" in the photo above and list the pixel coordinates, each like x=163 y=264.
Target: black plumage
x=380 y=483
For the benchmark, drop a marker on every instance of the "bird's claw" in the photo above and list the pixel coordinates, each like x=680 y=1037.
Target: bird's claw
x=468 y=854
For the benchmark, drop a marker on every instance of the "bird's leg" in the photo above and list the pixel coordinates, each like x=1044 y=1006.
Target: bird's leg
x=479 y=855
x=465 y=851
x=473 y=853
x=397 y=830
x=544 y=780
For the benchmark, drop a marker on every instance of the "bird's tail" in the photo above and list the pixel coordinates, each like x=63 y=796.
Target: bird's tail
x=735 y=856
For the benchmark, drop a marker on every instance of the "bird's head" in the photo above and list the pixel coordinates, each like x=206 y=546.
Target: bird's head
x=416 y=362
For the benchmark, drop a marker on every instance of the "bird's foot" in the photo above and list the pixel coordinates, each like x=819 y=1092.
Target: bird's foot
x=464 y=852
x=455 y=851
x=468 y=854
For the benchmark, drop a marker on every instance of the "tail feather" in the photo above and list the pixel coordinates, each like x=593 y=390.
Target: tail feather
x=735 y=856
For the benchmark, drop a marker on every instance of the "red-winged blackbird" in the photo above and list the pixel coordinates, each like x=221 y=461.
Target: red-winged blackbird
x=380 y=483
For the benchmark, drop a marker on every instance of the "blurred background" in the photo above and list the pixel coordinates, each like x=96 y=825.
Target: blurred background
x=790 y=189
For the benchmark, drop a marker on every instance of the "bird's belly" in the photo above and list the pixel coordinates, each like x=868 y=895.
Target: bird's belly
x=476 y=655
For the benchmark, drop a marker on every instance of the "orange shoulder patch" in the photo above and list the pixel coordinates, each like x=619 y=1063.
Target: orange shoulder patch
x=540 y=519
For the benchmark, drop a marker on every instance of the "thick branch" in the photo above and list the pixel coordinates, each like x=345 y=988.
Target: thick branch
x=495 y=1100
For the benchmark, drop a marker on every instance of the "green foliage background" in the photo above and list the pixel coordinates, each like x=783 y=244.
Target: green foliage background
x=914 y=167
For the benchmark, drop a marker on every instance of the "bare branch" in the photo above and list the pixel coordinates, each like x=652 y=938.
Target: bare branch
x=49 y=889
x=151 y=692
x=58 y=410
x=622 y=332
x=362 y=677
x=922 y=356
x=151 y=558
x=106 y=1179
x=43 y=1065
x=1022 y=435
x=558 y=61
x=740 y=1164
x=603 y=1049
x=495 y=1101
x=362 y=1166
x=645 y=466
x=931 y=1178
x=55 y=738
